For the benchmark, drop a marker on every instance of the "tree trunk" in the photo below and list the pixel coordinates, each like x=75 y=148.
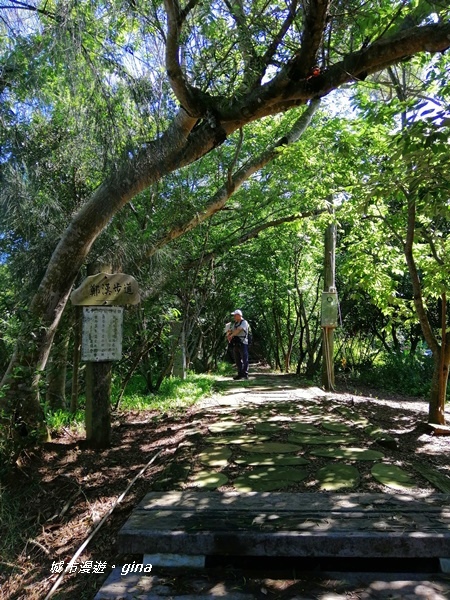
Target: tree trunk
x=56 y=372
x=278 y=341
x=76 y=360
x=438 y=391
x=20 y=406
x=329 y=286
x=292 y=335
x=439 y=382
x=441 y=353
x=21 y=380
x=140 y=353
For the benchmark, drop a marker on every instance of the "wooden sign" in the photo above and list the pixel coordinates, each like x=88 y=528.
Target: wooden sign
x=329 y=309
x=106 y=289
x=101 y=338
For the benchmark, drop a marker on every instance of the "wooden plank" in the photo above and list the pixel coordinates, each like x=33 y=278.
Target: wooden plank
x=298 y=544
x=190 y=561
x=280 y=524
x=248 y=586
x=282 y=501
x=135 y=586
x=438 y=429
x=237 y=520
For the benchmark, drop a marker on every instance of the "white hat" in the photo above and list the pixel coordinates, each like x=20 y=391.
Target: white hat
x=237 y=312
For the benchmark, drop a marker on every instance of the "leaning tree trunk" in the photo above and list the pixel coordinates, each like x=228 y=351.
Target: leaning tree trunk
x=20 y=400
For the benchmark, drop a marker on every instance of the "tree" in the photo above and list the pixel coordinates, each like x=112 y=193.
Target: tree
x=406 y=214
x=426 y=211
x=228 y=64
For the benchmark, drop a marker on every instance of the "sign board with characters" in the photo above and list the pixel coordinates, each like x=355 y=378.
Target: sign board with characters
x=101 y=338
x=107 y=289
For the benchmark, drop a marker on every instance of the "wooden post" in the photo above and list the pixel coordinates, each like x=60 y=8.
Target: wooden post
x=76 y=360
x=98 y=404
x=327 y=329
x=103 y=296
x=179 y=345
x=98 y=391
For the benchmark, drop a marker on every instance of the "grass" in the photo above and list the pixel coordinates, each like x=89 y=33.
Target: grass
x=174 y=394
x=58 y=419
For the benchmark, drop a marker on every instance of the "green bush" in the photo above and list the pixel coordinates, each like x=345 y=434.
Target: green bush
x=403 y=373
x=225 y=368
x=174 y=393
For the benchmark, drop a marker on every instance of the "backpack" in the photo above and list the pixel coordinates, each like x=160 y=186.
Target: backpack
x=249 y=335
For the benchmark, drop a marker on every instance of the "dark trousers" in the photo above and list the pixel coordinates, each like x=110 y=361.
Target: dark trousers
x=241 y=358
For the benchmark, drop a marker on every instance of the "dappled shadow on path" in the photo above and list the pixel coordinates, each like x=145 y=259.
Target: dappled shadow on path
x=65 y=489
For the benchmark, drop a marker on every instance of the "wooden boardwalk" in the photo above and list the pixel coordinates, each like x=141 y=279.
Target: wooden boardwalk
x=287 y=524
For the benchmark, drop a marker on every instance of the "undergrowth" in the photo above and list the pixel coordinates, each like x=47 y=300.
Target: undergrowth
x=174 y=394
x=402 y=373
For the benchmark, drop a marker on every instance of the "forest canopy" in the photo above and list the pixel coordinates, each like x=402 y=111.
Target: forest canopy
x=203 y=148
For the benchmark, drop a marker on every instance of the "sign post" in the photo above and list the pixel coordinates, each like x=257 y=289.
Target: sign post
x=329 y=308
x=102 y=297
x=178 y=339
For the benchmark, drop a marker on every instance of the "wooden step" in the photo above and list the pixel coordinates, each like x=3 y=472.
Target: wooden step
x=289 y=524
x=239 y=585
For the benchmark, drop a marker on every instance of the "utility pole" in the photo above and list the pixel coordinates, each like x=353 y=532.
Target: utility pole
x=329 y=307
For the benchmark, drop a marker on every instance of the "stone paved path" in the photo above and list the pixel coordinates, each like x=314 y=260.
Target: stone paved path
x=245 y=581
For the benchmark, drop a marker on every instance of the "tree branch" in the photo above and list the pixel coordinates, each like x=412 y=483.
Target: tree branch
x=273 y=46
x=282 y=93
x=25 y=6
x=314 y=26
x=433 y=249
x=245 y=40
x=249 y=235
x=188 y=96
x=235 y=181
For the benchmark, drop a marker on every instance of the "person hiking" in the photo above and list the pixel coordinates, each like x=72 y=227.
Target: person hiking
x=237 y=336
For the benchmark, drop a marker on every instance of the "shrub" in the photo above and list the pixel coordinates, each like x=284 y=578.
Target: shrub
x=400 y=372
